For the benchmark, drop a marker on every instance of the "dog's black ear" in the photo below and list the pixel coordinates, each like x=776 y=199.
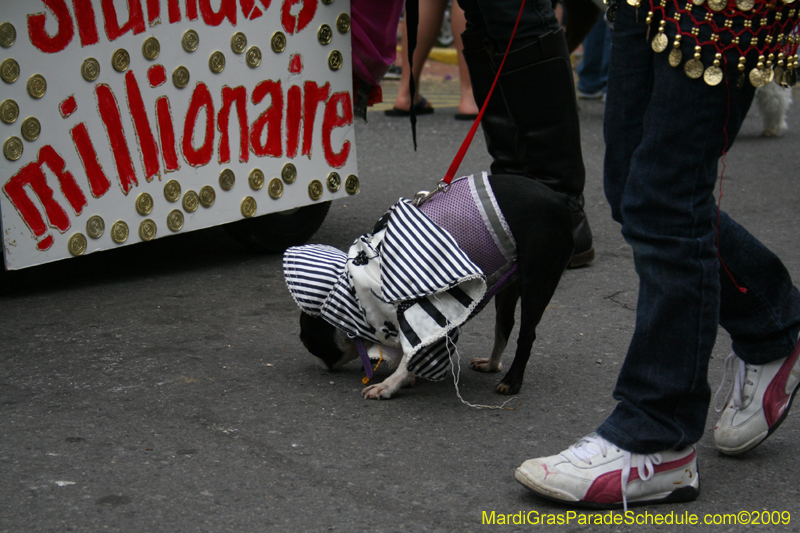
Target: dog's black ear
x=319 y=338
x=382 y=222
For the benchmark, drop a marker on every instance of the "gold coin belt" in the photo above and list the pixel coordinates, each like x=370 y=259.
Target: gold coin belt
x=765 y=30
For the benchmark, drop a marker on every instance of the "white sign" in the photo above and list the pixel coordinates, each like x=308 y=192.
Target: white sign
x=127 y=120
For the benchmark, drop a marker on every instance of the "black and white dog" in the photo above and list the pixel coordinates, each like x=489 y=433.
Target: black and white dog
x=401 y=293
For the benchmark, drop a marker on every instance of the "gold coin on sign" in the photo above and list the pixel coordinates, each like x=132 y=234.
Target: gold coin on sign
x=12 y=148
x=334 y=182
x=7 y=34
x=9 y=70
x=275 y=188
x=119 y=232
x=315 y=190
x=351 y=184
x=190 y=41
x=207 y=196
x=151 y=48
x=37 y=86
x=144 y=204
x=180 y=77
x=256 y=179
x=278 y=42
x=226 y=179
x=249 y=207
x=216 y=62
x=77 y=244
x=90 y=69
x=238 y=42
x=147 y=230
x=175 y=220
x=289 y=173
x=95 y=226
x=31 y=129
x=324 y=34
x=172 y=191
x=190 y=201
x=343 y=23
x=253 y=56
x=121 y=60
x=335 y=60
x=9 y=111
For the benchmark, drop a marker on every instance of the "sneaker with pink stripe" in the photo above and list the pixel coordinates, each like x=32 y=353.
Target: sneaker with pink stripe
x=595 y=473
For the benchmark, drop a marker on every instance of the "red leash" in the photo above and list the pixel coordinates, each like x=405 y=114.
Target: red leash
x=465 y=145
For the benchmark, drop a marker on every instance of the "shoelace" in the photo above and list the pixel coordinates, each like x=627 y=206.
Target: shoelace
x=645 y=463
x=739 y=370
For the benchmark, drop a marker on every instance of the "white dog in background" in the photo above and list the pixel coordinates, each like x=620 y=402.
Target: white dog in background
x=773 y=101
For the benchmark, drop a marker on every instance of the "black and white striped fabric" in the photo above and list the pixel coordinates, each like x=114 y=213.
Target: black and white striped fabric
x=406 y=286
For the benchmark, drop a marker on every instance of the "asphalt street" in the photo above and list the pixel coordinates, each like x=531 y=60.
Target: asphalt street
x=162 y=387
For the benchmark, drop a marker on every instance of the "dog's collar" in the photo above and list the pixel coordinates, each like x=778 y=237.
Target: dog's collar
x=362 y=353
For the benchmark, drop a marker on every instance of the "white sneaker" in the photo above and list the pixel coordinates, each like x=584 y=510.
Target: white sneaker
x=757 y=403
x=595 y=473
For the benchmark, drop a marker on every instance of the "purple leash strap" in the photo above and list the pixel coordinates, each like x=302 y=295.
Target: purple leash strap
x=362 y=353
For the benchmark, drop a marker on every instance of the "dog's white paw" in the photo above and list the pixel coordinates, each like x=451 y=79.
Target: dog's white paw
x=376 y=392
x=482 y=364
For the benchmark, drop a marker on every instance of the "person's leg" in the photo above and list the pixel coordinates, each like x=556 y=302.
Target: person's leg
x=458 y=23
x=591 y=82
x=431 y=14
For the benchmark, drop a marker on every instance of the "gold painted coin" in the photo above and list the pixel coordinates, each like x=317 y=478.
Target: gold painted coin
x=216 y=62
x=334 y=182
x=757 y=78
x=634 y=3
x=12 y=148
x=207 y=196
x=327 y=2
x=249 y=207
x=144 y=204
x=77 y=244
x=717 y=5
x=95 y=226
x=175 y=220
x=121 y=60
x=698 y=2
x=712 y=76
x=226 y=179
x=9 y=70
x=693 y=68
x=191 y=201
x=324 y=34
x=335 y=60
x=659 y=43
x=37 y=86
x=9 y=111
x=256 y=179
x=289 y=173
x=90 y=69
x=351 y=184
x=343 y=23
x=745 y=5
x=315 y=190
x=180 y=77
x=147 y=230
x=31 y=129
x=7 y=34
x=172 y=191
x=151 y=48
x=675 y=57
x=119 y=232
x=238 y=42
x=278 y=42
x=190 y=41
x=780 y=72
x=275 y=188
x=253 y=56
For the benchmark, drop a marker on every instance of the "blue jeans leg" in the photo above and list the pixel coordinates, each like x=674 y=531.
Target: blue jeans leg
x=593 y=69
x=664 y=135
